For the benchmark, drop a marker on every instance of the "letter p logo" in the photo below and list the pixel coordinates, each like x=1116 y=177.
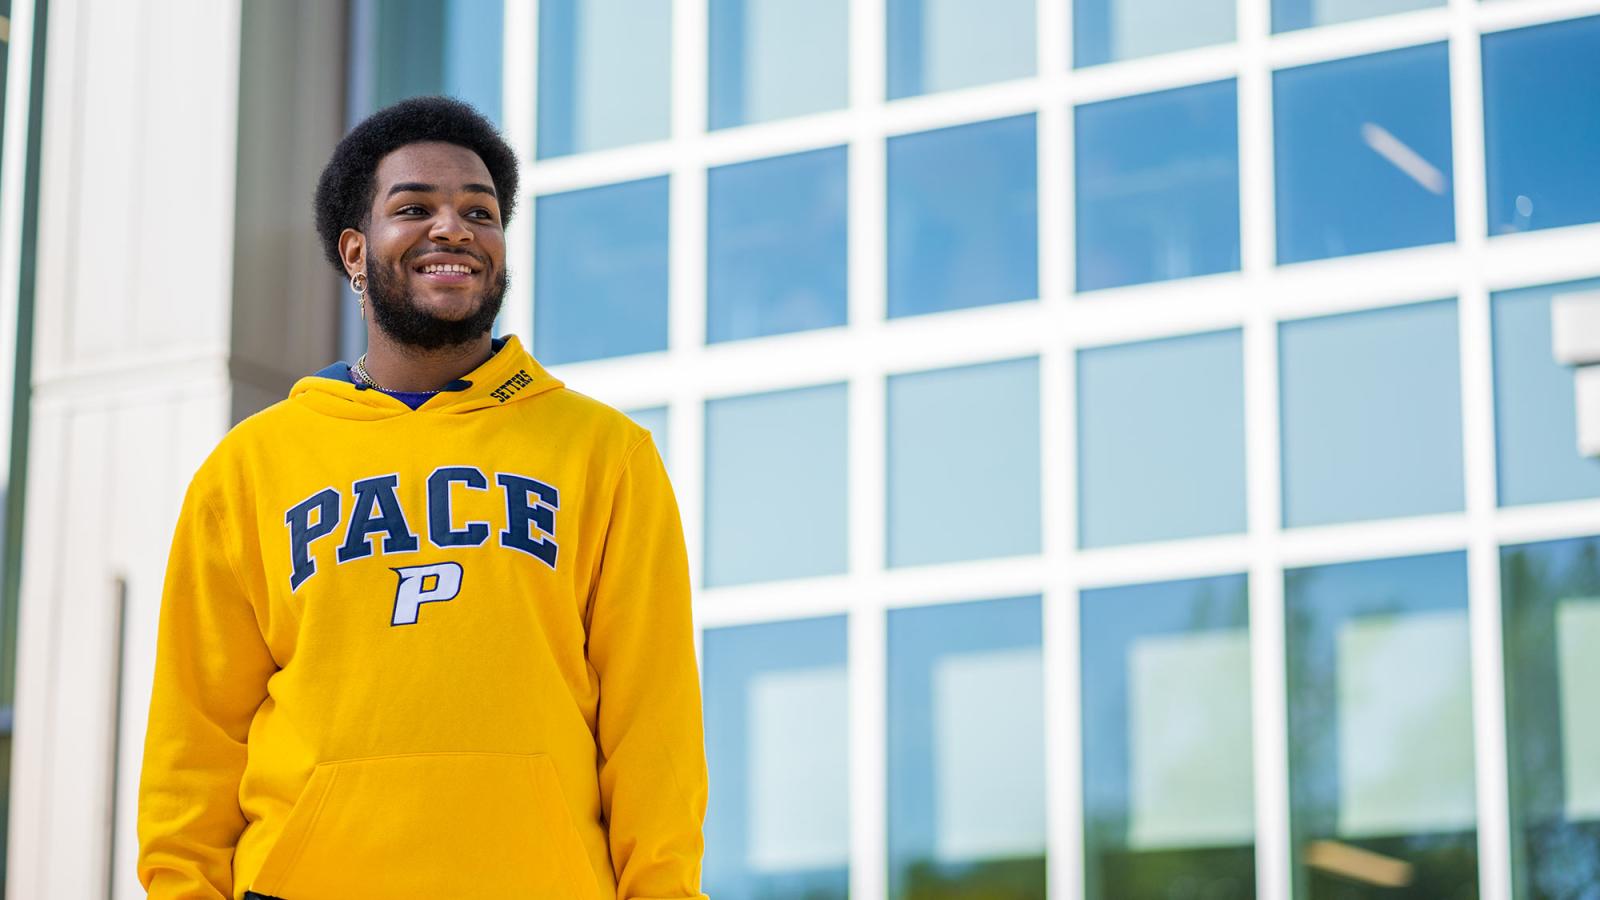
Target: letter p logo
x=424 y=584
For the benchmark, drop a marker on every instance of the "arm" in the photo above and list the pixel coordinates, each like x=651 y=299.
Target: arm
x=212 y=666
x=641 y=644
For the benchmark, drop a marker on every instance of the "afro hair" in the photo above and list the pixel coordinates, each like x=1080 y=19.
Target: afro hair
x=346 y=188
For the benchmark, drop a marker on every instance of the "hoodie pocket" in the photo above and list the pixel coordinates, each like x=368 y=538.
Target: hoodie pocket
x=460 y=825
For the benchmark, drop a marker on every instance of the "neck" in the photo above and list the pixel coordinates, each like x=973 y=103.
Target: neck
x=401 y=367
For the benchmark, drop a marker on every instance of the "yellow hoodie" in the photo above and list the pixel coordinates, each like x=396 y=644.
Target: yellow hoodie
x=441 y=653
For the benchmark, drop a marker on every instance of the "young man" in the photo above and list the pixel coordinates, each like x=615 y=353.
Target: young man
x=426 y=627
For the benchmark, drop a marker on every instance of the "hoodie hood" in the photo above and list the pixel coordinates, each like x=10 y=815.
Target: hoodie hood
x=510 y=375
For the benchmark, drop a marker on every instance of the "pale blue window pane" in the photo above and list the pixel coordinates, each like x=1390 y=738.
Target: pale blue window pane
x=1551 y=596
x=450 y=47
x=1380 y=723
x=1288 y=15
x=1371 y=415
x=776 y=255
x=605 y=74
x=1541 y=132
x=941 y=45
x=963 y=451
x=1169 y=792
x=1132 y=399
x=776 y=486
x=1108 y=30
x=777 y=745
x=655 y=420
x=966 y=751
x=1363 y=154
x=963 y=217
x=600 y=272
x=1536 y=423
x=1158 y=186
x=772 y=59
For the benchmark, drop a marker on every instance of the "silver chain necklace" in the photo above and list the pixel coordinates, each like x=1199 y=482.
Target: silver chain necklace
x=361 y=372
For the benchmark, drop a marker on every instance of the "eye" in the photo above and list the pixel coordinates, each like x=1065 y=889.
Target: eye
x=481 y=213
x=410 y=209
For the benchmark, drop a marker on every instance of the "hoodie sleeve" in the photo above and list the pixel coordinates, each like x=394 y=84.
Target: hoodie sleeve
x=211 y=672
x=652 y=767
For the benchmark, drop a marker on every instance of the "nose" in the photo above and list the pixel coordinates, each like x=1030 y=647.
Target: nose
x=449 y=228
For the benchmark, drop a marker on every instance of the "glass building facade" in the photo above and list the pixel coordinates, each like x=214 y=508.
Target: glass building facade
x=1119 y=443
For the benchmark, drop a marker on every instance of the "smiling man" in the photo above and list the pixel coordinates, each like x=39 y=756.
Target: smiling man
x=426 y=629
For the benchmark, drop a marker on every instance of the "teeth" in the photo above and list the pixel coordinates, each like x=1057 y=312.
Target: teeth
x=459 y=270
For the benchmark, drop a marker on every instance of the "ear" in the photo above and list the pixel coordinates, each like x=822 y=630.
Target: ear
x=353 y=251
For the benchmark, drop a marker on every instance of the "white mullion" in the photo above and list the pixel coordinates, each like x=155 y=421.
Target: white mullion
x=519 y=92
x=1503 y=16
x=1478 y=448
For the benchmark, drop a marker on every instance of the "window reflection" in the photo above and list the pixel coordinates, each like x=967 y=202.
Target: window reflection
x=940 y=45
x=1382 y=787
x=1107 y=30
x=1167 y=775
x=777 y=714
x=448 y=47
x=1551 y=597
x=605 y=74
x=772 y=59
x=966 y=751
x=1288 y=15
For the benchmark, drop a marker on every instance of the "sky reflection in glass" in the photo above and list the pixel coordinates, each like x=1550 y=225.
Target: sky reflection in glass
x=776 y=487
x=966 y=750
x=600 y=273
x=1169 y=789
x=1541 y=133
x=776 y=245
x=1289 y=15
x=941 y=45
x=1109 y=30
x=777 y=744
x=772 y=59
x=1370 y=408
x=963 y=217
x=605 y=74
x=1363 y=154
x=1158 y=186
x=450 y=47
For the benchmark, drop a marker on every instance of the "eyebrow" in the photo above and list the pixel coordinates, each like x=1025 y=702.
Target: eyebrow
x=406 y=187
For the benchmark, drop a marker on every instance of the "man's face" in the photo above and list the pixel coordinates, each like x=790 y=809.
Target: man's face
x=435 y=248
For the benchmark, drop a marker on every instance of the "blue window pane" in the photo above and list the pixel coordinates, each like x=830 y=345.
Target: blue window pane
x=1108 y=30
x=1363 y=154
x=1288 y=15
x=1551 y=596
x=966 y=751
x=776 y=245
x=1380 y=726
x=777 y=745
x=963 y=453
x=1371 y=415
x=1169 y=792
x=1158 y=186
x=1131 y=400
x=940 y=45
x=963 y=217
x=605 y=74
x=655 y=419
x=439 y=47
x=600 y=272
x=1536 y=429
x=775 y=485
x=1541 y=135
x=772 y=59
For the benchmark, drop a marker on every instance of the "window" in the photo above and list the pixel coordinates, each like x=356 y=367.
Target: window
x=1158 y=186
x=1380 y=728
x=438 y=47
x=1134 y=484
x=772 y=59
x=1109 y=30
x=777 y=744
x=655 y=420
x=963 y=463
x=776 y=245
x=601 y=272
x=1540 y=154
x=1536 y=425
x=1363 y=154
x=966 y=750
x=775 y=486
x=963 y=217
x=1551 y=596
x=1169 y=791
x=940 y=45
x=605 y=74
x=1288 y=15
x=1371 y=415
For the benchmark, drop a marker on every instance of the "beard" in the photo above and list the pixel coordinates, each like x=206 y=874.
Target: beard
x=398 y=315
